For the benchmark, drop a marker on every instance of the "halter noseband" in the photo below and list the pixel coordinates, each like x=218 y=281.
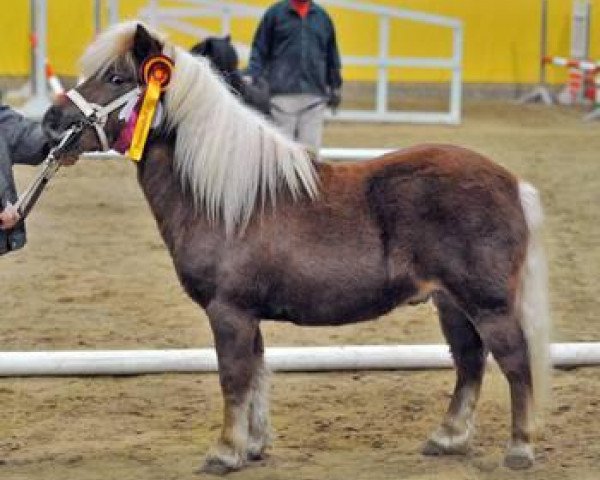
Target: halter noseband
x=96 y=115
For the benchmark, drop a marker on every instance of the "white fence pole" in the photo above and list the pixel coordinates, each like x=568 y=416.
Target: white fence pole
x=226 y=21
x=113 y=12
x=382 y=71
x=289 y=359
x=38 y=104
x=456 y=83
x=325 y=153
x=97 y=16
x=580 y=30
x=178 y=18
x=153 y=13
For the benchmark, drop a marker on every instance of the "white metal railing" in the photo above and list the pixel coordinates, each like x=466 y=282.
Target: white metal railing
x=175 y=18
x=332 y=153
x=37 y=88
x=39 y=101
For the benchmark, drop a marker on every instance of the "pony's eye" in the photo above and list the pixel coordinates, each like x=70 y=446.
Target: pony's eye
x=116 y=79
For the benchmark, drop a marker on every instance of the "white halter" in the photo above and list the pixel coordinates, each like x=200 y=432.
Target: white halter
x=97 y=115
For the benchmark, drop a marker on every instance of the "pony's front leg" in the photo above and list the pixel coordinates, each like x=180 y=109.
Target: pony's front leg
x=259 y=427
x=235 y=333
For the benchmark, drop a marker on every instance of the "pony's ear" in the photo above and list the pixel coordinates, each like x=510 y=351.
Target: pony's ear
x=206 y=47
x=227 y=38
x=144 y=45
x=200 y=48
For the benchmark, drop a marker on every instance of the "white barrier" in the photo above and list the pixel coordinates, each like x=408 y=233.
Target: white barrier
x=39 y=102
x=354 y=153
x=288 y=359
x=177 y=15
x=328 y=153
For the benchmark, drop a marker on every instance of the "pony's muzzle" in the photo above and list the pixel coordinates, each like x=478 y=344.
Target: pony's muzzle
x=56 y=122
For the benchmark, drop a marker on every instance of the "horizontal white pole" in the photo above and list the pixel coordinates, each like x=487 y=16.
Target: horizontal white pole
x=397 y=116
x=289 y=359
x=239 y=8
x=417 y=62
x=354 y=153
x=329 y=153
x=229 y=6
x=395 y=13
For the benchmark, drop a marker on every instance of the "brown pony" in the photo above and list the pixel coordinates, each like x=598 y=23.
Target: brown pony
x=259 y=230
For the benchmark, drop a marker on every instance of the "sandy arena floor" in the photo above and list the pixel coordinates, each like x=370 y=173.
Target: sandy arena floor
x=96 y=275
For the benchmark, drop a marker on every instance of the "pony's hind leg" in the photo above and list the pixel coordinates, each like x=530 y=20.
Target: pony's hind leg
x=501 y=332
x=235 y=334
x=468 y=352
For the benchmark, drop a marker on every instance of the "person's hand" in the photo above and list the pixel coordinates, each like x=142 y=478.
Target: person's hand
x=335 y=98
x=9 y=217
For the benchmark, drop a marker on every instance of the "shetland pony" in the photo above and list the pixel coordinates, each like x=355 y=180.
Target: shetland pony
x=258 y=230
x=223 y=57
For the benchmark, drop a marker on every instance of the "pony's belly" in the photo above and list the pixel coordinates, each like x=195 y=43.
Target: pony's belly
x=322 y=305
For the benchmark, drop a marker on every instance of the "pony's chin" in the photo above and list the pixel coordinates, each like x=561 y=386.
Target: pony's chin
x=72 y=152
x=87 y=142
x=71 y=155
x=68 y=159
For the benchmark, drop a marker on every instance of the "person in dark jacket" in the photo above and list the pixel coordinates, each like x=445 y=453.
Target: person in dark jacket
x=21 y=141
x=295 y=49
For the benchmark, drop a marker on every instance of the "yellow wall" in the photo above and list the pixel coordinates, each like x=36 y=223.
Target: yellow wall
x=501 y=37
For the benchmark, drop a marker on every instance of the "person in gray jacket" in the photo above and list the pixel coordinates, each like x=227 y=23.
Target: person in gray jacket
x=21 y=141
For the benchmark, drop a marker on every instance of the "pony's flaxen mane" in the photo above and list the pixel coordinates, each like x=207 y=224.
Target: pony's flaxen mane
x=230 y=157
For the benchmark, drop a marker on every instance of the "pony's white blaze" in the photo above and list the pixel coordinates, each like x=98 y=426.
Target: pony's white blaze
x=229 y=157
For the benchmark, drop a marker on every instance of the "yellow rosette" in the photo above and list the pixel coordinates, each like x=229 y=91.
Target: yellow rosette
x=156 y=73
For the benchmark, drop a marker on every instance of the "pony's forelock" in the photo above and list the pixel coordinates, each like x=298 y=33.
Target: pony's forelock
x=112 y=45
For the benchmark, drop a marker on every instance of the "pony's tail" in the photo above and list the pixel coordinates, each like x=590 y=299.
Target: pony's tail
x=535 y=310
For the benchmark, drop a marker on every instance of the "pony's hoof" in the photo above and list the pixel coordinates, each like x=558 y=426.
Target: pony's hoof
x=519 y=457
x=221 y=464
x=434 y=448
x=256 y=448
x=255 y=455
x=447 y=441
x=215 y=466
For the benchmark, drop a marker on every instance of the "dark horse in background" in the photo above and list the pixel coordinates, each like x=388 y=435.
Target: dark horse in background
x=258 y=230
x=224 y=59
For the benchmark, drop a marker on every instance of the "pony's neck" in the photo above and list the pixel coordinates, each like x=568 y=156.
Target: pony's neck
x=163 y=190
x=234 y=79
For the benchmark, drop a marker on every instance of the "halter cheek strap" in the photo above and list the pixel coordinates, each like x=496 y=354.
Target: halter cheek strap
x=97 y=115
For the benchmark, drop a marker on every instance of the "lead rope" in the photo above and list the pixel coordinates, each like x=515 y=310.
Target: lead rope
x=49 y=167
